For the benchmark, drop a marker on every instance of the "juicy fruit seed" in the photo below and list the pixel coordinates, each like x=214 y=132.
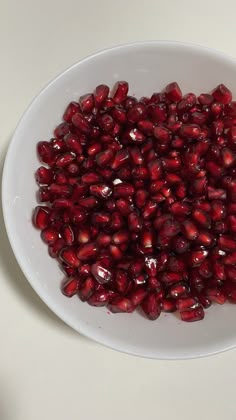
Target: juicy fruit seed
x=140 y=200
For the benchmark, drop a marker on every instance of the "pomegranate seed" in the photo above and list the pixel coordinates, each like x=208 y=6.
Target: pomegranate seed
x=192 y=131
x=138 y=295
x=226 y=243
x=73 y=144
x=99 y=298
x=222 y=94
x=216 y=295
x=197 y=256
x=43 y=175
x=173 y=92
x=120 y=93
x=186 y=303
x=151 y=307
x=101 y=94
x=88 y=202
x=202 y=218
x=192 y=315
x=87 y=102
x=190 y=230
x=49 y=235
x=87 y=251
x=41 y=217
x=104 y=157
x=121 y=304
x=71 y=286
x=90 y=178
x=81 y=123
x=101 y=274
x=121 y=158
x=68 y=255
x=100 y=190
x=87 y=288
x=168 y=305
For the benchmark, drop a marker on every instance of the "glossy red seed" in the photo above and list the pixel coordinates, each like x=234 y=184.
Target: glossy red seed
x=121 y=304
x=49 y=235
x=190 y=230
x=222 y=94
x=68 y=255
x=192 y=131
x=173 y=92
x=71 y=286
x=87 y=251
x=215 y=295
x=192 y=315
x=87 y=288
x=151 y=307
x=41 y=217
x=120 y=93
x=81 y=123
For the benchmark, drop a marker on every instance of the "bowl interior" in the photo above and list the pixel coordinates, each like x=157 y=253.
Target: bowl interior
x=148 y=67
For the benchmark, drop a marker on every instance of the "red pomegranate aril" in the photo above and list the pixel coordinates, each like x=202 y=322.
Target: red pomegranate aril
x=180 y=244
x=88 y=202
x=87 y=102
x=73 y=144
x=135 y=222
x=134 y=135
x=157 y=113
x=151 y=307
x=146 y=127
x=136 y=113
x=101 y=218
x=155 y=169
x=99 y=298
x=192 y=131
x=65 y=159
x=120 y=237
x=197 y=256
x=215 y=295
x=180 y=208
x=46 y=153
x=187 y=303
x=61 y=130
x=121 y=281
x=169 y=278
x=101 y=94
x=90 y=178
x=168 y=305
x=71 y=286
x=41 y=217
x=173 y=92
x=216 y=194
x=121 y=304
x=192 y=315
x=81 y=123
x=87 y=251
x=43 y=175
x=68 y=234
x=190 y=230
x=71 y=109
x=120 y=92
x=222 y=94
x=226 y=243
x=87 y=288
x=187 y=102
x=44 y=195
x=162 y=134
x=179 y=290
x=68 y=255
x=205 y=238
x=100 y=273
x=121 y=158
x=123 y=190
x=100 y=190
x=138 y=295
x=104 y=157
x=202 y=218
x=49 y=235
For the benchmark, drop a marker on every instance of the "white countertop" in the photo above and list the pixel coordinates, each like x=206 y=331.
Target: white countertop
x=48 y=371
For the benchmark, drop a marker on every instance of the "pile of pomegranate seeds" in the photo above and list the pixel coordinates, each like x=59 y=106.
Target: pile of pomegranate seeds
x=139 y=200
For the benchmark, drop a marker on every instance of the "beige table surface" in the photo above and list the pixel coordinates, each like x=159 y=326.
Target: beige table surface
x=48 y=371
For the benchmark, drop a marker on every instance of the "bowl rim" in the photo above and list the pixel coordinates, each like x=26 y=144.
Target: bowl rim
x=5 y=173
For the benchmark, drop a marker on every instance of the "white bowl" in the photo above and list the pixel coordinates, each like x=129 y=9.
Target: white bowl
x=148 y=67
